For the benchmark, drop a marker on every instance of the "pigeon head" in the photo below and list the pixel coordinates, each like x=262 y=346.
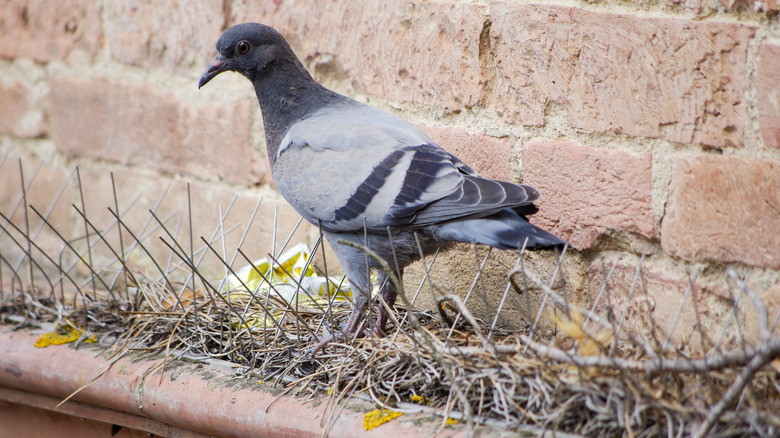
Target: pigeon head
x=285 y=91
x=248 y=48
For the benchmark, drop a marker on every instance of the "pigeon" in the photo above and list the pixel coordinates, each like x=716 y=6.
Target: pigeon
x=367 y=178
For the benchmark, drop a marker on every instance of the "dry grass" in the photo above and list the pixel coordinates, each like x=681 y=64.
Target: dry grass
x=592 y=376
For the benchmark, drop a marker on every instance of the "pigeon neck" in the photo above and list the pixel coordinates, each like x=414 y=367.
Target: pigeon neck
x=287 y=94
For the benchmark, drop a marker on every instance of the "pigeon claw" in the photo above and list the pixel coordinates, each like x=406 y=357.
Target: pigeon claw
x=354 y=327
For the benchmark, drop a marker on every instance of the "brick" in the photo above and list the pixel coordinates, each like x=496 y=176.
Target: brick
x=454 y=271
x=44 y=30
x=412 y=52
x=658 y=294
x=18 y=115
x=215 y=141
x=489 y=156
x=138 y=124
x=669 y=78
x=724 y=209
x=586 y=191
x=138 y=191
x=43 y=179
x=765 y=287
x=166 y=34
x=768 y=85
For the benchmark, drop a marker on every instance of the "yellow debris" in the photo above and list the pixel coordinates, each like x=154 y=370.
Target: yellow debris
x=314 y=292
x=451 y=421
x=62 y=335
x=590 y=344
x=418 y=398
x=378 y=417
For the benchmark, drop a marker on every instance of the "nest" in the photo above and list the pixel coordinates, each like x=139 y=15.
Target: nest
x=590 y=376
x=513 y=380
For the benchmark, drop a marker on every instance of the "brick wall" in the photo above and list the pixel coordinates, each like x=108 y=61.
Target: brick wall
x=649 y=127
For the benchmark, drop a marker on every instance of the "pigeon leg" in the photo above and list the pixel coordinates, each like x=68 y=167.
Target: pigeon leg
x=354 y=324
x=357 y=318
x=388 y=294
x=357 y=267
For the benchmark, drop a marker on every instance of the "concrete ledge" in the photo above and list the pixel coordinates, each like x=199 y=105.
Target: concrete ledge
x=191 y=400
x=44 y=418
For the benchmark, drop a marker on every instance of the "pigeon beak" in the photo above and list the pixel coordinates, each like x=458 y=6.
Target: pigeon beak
x=219 y=65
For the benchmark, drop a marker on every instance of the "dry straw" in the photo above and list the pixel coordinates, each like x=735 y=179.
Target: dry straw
x=140 y=286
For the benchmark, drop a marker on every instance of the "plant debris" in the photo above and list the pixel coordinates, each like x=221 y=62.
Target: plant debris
x=592 y=376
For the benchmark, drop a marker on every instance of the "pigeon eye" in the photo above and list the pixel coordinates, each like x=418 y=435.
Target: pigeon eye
x=243 y=47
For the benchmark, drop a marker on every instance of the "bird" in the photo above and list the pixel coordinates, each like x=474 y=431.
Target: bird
x=367 y=178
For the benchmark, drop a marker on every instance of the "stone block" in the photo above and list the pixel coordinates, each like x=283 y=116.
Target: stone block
x=724 y=209
x=44 y=30
x=670 y=78
x=18 y=113
x=169 y=34
x=489 y=156
x=768 y=87
x=134 y=124
x=587 y=191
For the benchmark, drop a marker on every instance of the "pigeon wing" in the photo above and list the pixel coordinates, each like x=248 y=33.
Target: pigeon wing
x=344 y=165
x=353 y=166
x=423 y=201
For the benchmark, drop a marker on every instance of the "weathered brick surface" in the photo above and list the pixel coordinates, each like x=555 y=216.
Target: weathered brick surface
x=724 y=209
x=586 y=191
x=670 y=78
x=136 y=123
x=171 y=34
x=771 y=298
x=215 y=141
x=751 y=5
x=768 y=84
x=490 y=156
x=18 y=116
x=656 y=297
x=138 y=192
x=45 y=30
x=412 y=52
x=659 y=292
x=691 y=5
x=43 y=183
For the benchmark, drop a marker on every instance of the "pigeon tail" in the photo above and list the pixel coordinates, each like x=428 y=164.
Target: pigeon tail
x=503 y=230
x=362 y=174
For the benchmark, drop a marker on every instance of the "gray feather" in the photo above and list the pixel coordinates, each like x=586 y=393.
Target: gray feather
x=362 y=173
x=351 y=125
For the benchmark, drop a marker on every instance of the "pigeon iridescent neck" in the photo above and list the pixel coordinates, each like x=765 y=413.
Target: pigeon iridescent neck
x=287 y=93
